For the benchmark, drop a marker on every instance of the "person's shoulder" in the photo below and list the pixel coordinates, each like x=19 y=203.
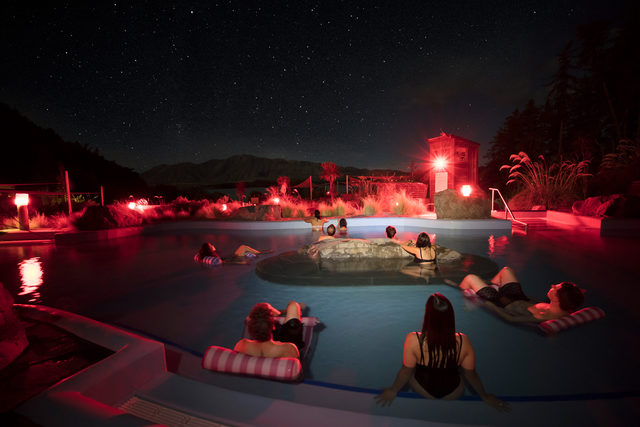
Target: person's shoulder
x=286 y=349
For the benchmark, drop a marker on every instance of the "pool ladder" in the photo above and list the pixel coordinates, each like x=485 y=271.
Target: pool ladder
x=507 y=211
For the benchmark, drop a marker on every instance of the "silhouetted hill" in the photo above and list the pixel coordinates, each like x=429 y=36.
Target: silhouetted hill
x=250 y=169
x=33 y=154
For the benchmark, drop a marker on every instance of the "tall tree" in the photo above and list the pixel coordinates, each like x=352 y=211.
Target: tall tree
x=330 y=173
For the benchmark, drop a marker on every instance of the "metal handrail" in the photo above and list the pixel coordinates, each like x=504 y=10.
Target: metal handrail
x=506 y=208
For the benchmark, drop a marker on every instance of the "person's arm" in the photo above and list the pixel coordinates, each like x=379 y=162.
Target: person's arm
x=507 y=316
x=388 y=394
x=404 y=374
x=468 y=365
x=411 y=249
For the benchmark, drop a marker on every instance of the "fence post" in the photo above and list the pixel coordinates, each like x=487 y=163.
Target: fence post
x=66 y=178
x=101 y=196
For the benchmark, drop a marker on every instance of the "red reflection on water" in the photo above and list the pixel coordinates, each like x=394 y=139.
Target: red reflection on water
x=498 y=245
x=31 y=278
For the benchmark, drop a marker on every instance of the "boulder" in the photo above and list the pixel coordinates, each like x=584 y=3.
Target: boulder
x=449 y=204
x=259 y=213
x=13 y=339
x=357 y=250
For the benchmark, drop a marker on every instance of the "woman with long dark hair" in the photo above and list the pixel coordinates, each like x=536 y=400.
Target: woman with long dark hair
x=423 y=251
x=432 y=358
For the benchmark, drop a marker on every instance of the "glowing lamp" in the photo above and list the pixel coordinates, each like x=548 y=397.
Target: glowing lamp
x=132 y=205
x=397 y=203
x=439 y=163
x=276 y=200
x=22 y=199
x=466 y=190
x=224 y=207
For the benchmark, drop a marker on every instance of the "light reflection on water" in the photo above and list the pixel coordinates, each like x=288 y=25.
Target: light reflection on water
x=31 y=278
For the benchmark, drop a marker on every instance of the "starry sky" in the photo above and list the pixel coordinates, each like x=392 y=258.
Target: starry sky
x=358 y=83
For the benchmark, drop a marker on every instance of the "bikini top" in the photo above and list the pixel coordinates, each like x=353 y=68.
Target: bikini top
x=420 y=260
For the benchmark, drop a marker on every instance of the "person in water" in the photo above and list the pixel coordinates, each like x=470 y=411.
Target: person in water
x=391 y=231
x=268 y=337
x=316 y=221
x=331 y=231
x=242 y=255
x=432 y=357
x=342 y=226
x=511 y=303
x=423 y=251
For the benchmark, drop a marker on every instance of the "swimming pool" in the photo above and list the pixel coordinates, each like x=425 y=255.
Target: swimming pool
x=150 y=284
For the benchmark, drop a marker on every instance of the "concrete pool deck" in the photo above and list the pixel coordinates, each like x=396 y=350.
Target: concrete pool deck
x=133 y=388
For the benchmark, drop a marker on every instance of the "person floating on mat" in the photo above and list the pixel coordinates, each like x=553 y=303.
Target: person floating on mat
x=242 y=255
x=316 y=221
x=431 y=359
x=270 y=339
x=331 y=231
x=510 y=302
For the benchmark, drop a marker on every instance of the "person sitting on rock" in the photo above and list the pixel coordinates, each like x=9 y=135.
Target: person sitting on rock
x=423 y=251
x=331 y=231
x=390 y=231
x=269 y=338
x=510 y=302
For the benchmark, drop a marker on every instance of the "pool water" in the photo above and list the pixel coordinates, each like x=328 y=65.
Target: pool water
x=151 y=284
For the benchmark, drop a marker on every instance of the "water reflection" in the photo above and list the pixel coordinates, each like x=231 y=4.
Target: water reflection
x=497 y=245
x=31 y=278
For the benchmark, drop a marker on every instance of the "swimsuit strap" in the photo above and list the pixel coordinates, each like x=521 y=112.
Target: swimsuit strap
x=421 y=351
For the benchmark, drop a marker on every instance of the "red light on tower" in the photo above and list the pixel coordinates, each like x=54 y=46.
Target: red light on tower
x=466 y=190
x=22 y=202
x=22 y=199
x=440 y=164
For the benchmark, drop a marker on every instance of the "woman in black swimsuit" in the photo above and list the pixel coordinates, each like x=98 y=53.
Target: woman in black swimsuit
x=431 y=359
x=423 y=251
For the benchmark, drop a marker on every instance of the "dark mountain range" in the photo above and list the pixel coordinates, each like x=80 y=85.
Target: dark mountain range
x=251 y=170
x=33 y=154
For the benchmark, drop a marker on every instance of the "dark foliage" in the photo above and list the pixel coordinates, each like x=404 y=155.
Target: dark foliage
x=33 y=154
x=592 y=106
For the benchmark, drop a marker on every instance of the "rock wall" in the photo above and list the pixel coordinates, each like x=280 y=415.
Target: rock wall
x=13 y=339
x=451 y=205
x=358 y=249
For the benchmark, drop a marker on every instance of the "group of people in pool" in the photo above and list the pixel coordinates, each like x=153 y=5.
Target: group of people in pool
x=436 y=359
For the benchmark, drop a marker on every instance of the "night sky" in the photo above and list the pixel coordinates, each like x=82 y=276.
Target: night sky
x=358 y=83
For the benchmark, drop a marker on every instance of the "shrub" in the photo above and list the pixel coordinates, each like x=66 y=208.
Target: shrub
x=548 y=185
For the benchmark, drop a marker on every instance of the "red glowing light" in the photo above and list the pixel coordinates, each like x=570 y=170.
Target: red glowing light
x=31 y=278
x=224 y=207
x=276 y=200
x=22 y=199
x=132 y=205
x=439 y=163
x=466 y=190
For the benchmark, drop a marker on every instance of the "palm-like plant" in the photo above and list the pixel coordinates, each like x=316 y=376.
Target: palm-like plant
x=330 y=173
x=546 y=183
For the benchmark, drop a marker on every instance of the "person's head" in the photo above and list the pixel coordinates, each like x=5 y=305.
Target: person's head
x=331 y=230
x=207 y=249
x=317 y=214
x=423 y=240
x=570 y=297
x=342 y=223
x=261 y=322
x=391 y=232
x=439 y=326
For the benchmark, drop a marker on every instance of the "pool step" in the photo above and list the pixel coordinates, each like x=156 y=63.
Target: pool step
x=157 y=413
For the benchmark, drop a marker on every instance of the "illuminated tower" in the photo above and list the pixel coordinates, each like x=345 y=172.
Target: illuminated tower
x=453 y=162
